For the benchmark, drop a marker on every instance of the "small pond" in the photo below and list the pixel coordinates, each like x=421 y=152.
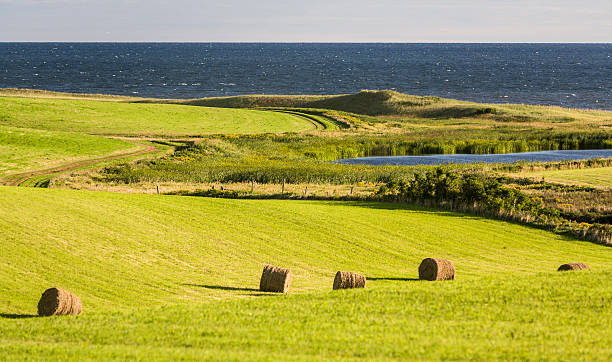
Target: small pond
x=541 y=156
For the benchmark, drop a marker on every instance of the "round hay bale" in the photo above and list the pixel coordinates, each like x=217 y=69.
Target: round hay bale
x=347 y=280
x=275 y=279
x=436 y=269
x=573 y=266
x=56 y=301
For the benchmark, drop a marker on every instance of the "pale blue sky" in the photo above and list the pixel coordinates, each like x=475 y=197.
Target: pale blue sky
x=307 y=21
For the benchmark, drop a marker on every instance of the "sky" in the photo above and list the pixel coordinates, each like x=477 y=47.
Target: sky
x=556 y=21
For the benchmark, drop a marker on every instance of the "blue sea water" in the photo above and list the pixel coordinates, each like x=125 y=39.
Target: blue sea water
x=572 y=75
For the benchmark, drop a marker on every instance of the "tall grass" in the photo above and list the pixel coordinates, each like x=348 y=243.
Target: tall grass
x=297 y=158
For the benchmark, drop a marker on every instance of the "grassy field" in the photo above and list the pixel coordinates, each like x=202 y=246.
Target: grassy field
x=536 y=317
x=46 y=129
x=131 y=119
x=24 y=149
x=176 y=277
x=595 y=177
x=380 y=111
x=390 y=103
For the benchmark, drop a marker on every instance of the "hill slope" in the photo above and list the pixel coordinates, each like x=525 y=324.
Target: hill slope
x=23 y=149
x=150 y=246
x=388 y=103
x=365 y=102
x=130 y=119
x=153 y=266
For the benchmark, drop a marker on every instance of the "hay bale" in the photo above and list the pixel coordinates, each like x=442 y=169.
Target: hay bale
x=436 y=269
x=275 y=279
x=55 y=301
x=347 y=280
x=573 y=266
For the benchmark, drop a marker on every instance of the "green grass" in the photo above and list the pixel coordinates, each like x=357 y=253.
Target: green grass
x=131 y=119
x=384 y=110
x=410 y=107
x=89 y=165
x=366 y=102
x=41 y=93
x=534 y=317
x=305 y=158
x=595 y=177
x=175 y=278
x=24 y=149
x=170 y=277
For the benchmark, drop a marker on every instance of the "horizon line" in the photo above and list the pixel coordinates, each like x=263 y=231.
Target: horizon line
x=296 y=42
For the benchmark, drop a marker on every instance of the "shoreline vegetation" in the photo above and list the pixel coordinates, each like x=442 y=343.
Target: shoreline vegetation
x=368 y=123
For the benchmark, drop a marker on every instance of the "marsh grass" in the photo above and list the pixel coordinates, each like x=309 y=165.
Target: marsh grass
x=295 y=158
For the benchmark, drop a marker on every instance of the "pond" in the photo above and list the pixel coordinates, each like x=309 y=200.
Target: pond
x=541 y=156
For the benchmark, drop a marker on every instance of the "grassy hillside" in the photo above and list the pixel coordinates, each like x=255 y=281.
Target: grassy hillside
x=168 y=277
x=365 y=102
x=119 y=118
x=24 y=149
x=391 y=103
x=595 y=177
x=155 y=267
x=380 y=107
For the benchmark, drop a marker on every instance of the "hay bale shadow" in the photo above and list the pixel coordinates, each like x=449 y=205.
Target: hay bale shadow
x=222 y=287
x=17 y=316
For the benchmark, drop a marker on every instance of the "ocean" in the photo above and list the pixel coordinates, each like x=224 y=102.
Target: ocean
x=569 y=75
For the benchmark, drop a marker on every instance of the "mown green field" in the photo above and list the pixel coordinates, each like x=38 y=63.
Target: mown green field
x=174 y=277
x=167 y=277
x=134 y=119
x=595 y=177
x=24 y=149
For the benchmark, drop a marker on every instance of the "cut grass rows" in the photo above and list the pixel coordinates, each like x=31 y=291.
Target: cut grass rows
x=118 y=250
x=25 y=149
x=176 y=277
x=552 y=316
x=131 y=119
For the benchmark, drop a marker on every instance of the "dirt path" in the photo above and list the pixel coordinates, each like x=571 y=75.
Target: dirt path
x=19 y=178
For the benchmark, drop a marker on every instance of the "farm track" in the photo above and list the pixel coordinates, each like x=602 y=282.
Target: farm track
x=317 y=123
x=19 y=178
